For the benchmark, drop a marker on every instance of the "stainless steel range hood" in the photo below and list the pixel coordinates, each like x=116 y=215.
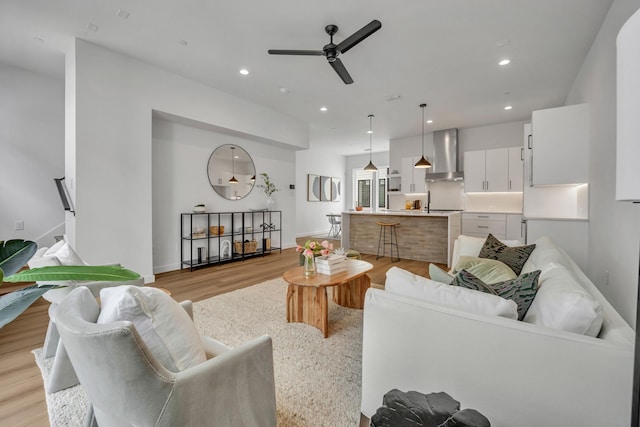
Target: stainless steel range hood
x=445 y=157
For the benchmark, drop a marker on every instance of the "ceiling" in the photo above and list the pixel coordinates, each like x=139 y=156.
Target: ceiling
x=441 y=52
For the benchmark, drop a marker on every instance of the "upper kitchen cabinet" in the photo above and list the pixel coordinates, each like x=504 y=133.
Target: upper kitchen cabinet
x=516 y=169
x=412 y=178
x=628 y=110
x=486 y=170
x=559 y=145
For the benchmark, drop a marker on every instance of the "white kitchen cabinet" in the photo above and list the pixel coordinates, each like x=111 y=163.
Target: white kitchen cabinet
x=481 y=224
x=516 y=169
x=560 y=145
x=486 y=170
x=514 y=227
x=413 y=179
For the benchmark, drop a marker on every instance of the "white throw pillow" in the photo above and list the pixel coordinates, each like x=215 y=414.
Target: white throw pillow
x=405 y=283
x=562 y=303
x=39 y=260
x=163 y=324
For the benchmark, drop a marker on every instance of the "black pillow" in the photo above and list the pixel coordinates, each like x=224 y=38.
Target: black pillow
x=513 y=256
x=521 y=290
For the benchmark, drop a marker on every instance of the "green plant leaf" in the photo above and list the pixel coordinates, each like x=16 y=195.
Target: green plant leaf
x=14 y=303
x=107 y=273
x=14 y=255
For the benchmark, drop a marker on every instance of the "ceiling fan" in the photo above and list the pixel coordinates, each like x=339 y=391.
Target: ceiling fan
x=332 y=51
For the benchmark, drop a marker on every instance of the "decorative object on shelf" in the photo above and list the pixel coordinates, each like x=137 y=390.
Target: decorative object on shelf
x=198 y=232
x=246 y=247
x=216 y=230
x=267 y=227
x=228 y=162
x=269 y=188
x=199 y=208
x=371 y=167
x=225 y=249
x=423 y=163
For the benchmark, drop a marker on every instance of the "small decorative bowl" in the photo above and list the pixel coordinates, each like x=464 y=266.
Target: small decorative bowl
x=359 y=208
x=199 y=208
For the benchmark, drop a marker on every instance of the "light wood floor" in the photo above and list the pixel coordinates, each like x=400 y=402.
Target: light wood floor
x=22 y=399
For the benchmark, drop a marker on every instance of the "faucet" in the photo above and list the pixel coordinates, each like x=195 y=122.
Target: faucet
x=428 y=201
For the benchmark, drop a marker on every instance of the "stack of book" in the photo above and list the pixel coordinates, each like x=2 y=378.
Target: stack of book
x=331 y=264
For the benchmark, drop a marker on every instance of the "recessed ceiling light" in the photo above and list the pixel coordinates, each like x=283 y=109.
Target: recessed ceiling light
x=92 y=27
x=284 y=91
x=122 y=13
x=508 y=107
x=504 y=62
x=323 y=109
x=369 y=131
x=393 y=97
x=429 y=121
x=244 y=71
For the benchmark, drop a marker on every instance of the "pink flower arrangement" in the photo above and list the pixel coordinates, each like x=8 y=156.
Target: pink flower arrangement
x=312 y=248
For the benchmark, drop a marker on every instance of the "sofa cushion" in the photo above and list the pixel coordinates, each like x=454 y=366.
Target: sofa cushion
x=439 y=275
x=405 y=283
x=521 y=290
x=471 y=246
x=562 y=303
x=485 y=269
x=514 y=257
x=164 y=326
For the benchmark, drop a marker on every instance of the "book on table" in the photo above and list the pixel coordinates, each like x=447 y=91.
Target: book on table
x=330 y=270
x=331 y=260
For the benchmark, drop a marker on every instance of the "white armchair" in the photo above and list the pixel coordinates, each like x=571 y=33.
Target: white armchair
x=128 y=386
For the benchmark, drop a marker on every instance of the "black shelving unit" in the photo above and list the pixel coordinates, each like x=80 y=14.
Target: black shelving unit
x=241 y=230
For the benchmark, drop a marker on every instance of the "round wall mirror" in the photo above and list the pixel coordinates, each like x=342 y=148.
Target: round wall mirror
x=231 y=172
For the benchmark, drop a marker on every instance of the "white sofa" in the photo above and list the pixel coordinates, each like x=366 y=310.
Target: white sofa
x=516 y=373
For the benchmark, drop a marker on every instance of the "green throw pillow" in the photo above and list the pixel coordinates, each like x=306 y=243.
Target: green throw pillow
x=521 y=290
x=488 y=270
x=513 y=256
x=439 y=275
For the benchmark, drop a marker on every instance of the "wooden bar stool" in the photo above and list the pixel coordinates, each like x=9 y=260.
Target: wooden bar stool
x=393 y=239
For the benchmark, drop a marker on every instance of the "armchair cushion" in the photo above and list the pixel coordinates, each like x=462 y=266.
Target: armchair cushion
x=164 y=326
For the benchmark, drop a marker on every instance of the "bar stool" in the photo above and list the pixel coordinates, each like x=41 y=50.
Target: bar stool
x=393 y=239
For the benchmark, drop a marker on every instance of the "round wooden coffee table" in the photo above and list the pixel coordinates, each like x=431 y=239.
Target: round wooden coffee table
x=307 y=296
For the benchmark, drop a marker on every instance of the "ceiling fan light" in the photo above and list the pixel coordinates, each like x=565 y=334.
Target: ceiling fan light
x=422 y=163
x=370 y=167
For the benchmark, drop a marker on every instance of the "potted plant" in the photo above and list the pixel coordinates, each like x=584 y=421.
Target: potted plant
x=14 y=255
x=269 y=188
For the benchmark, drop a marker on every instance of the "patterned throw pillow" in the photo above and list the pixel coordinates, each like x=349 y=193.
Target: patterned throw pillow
x=513 y=256
x=521 y=290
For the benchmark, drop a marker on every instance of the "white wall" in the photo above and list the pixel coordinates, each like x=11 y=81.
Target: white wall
x=32 y=147
x=115 y=96
x=180 y=156
x=311 y=217
x=614 y=227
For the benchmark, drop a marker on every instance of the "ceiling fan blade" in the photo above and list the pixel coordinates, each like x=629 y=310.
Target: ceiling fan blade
x=338 y=66
x=295 y=52
x=359 y=35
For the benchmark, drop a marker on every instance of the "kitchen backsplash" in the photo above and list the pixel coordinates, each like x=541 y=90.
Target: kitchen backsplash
x=493 y=202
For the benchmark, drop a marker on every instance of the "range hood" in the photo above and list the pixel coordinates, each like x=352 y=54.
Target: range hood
x=445 y=157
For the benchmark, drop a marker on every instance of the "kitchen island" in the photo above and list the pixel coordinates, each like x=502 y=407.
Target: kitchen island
x=422 y=236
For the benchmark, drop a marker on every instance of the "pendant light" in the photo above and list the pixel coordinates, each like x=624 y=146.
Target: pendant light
x=233 y=179
x=370 y=167
x=423 y=163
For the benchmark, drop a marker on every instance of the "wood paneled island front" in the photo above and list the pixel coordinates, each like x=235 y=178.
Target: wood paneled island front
x=422 y=236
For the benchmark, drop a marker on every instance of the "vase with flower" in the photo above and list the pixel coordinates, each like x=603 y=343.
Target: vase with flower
x=269 y=188
x=309 y=251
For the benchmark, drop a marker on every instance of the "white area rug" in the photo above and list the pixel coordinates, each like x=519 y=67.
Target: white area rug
x=317 y=379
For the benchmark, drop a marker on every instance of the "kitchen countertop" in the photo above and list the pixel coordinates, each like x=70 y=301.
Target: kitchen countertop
x=494 y=212
x=385 y=212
